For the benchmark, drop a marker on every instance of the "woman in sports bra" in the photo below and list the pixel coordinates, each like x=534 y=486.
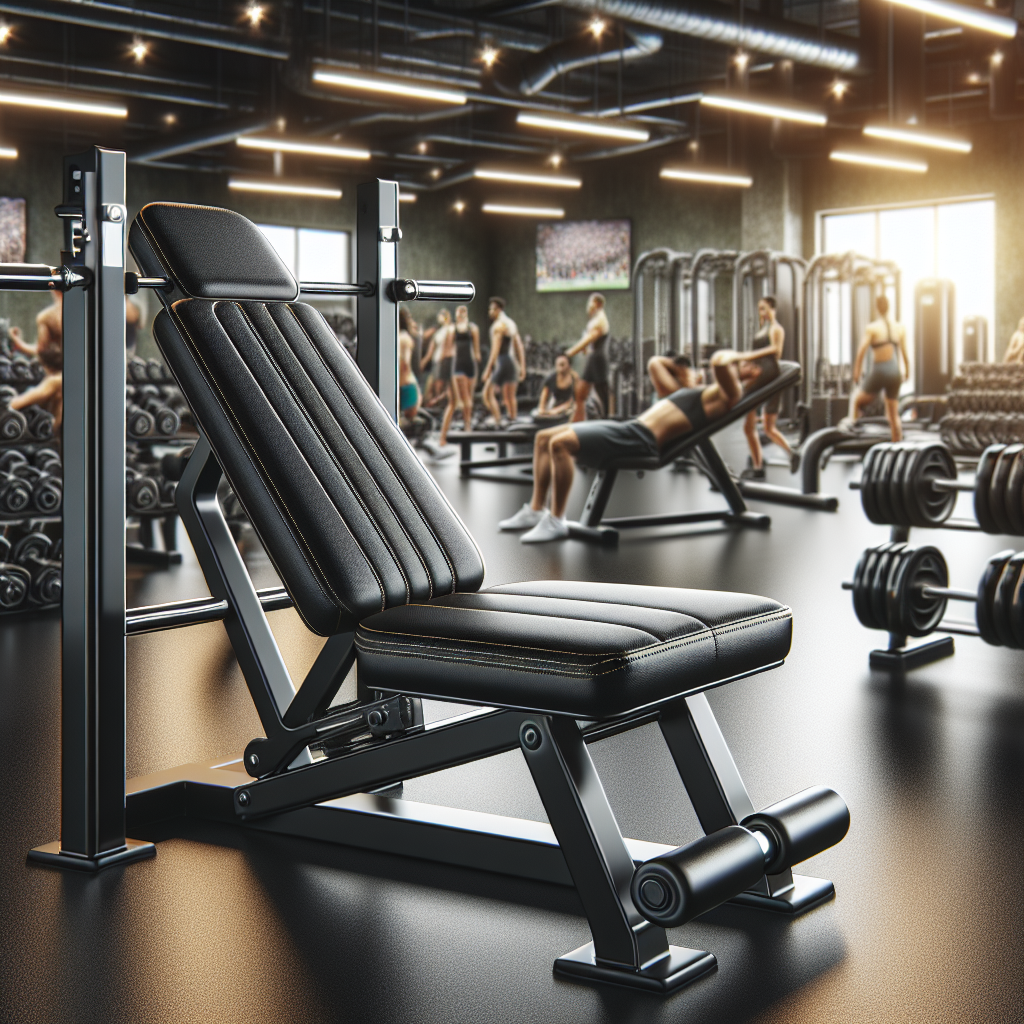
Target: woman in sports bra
x=558 y=394
x=886 y=340
x=462 y=344
x=766 y=353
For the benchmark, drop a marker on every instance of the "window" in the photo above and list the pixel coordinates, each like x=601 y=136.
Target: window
x=954 y=239
x=310 y=253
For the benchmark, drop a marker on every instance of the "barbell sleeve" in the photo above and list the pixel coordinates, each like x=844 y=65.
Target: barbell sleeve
x=407 y=290
x=926 y=591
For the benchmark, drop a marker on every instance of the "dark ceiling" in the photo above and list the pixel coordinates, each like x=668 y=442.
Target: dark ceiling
x=208 y=75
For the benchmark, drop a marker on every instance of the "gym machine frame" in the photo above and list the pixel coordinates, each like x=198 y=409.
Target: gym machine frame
x=331 y=799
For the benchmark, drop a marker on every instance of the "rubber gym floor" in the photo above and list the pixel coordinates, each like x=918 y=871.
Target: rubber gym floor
x=231 y=925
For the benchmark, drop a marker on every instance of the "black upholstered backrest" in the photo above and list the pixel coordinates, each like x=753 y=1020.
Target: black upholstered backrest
x=348 y=515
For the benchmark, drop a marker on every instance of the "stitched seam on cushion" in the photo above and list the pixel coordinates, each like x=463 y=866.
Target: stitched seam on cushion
x=282 y=508
x=499 y=611
x=327 y=448
x=398 y=519
x=398 y=476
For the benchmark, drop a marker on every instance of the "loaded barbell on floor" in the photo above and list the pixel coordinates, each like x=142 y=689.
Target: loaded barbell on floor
x=678 y=886
x=905 y=591
x=907 y=484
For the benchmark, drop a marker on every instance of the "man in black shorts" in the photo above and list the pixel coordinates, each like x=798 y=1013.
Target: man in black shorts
x=595 y=373
x=596 y=443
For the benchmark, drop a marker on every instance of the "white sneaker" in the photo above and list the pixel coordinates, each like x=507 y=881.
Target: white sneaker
x=847 y=424
x=442 y=452
x=549 y=528
x=524 y=519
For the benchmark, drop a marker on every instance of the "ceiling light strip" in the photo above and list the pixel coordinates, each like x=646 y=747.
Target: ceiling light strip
x=62 y=103
x=388 y=86
x=582 y=126
x=526 y=178
x=972 y=17
x=916 y=137
x=8 y=153
x=760 y=108
x=706 y=176
x=889 y=163
x=283 y=188
x=273 y=145
x=523 y=211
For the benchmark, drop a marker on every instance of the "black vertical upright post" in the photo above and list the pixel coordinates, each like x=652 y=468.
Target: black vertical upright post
x=377 y=236
x=93 y=636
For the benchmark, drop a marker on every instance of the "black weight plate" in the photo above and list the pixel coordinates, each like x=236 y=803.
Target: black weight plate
x=1003 y=600
x=982 y=483
x=867 y=499
x=984 y=610
x=928 y=506
x=997 y=488
x=1017 y=612
x=861 y=606
x=880 y=584
x=903 y=458
x=1014 y=496
x=910 y=611
x=881 y=480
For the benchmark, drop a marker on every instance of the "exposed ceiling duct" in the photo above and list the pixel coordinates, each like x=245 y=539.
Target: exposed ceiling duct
x=212 y=135
x=540 y=69
x=786 y=40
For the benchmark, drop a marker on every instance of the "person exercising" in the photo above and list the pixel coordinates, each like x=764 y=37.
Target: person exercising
x=506 y=364
x=669 y=373
x=887 y=341
x=768 y=344
x=558 y=394
x=408 y=388
x=595 y=443
x=595 y=372
x=461 y=349
x=1015 y=350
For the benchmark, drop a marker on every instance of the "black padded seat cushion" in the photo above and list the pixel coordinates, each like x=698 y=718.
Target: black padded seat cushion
x=209 y=252
x=589 y=650
x=350 y=518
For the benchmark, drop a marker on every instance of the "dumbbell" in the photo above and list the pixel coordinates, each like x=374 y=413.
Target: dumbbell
x=142 y=492
x=21 y=369
x=156 y=371
x=47 y=489
x=14 y=580
x=166 y=421
x=32 y=552
x=48 y=459
x=137 y=371
x=905 y=590
x=139 y=423
x=172 y=465
x=15 y=494
x=678 y=886
x=39 y=423
x=12 y=422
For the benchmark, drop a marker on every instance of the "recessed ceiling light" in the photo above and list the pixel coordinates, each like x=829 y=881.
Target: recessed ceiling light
x=283 y=188
x=170 y=118
x=421 y=148
x=459 y=206
x=764 y=108
x=388 y=86
x=275 y=145
x=888 y=163
x=5 y=32
x=62 y=103
x=839 y=88
x=435 y=173
x=596 y=27
x=489 y=56
x=582 y=126
x=139 y=49
x=255 y=14
x=917 y=137
x=741 y=59
x=526 y=177
x=523 y=211
x=707 y=176
x=972 y=17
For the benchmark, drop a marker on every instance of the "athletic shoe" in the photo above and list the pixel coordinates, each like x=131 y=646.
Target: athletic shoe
x=442 y=452
x=794 y=462
x=847 y=424
x=525 y=519
x=754 y=474
x=549 y=528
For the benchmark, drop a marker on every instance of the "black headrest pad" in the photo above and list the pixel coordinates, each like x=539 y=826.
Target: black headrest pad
x=209 y=252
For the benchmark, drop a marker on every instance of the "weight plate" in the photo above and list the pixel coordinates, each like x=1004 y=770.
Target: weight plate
x=903 y=458
x=1014 y=496
x=982 y=484
x=929 y=506
x=861 y=602
x=997 y=487
x=910 y=612
x=32 y=545
x=1017 y=612
x=1003 y=600
x=984 y=610
x=867 y=497
x=881 y=479
x=880 y=584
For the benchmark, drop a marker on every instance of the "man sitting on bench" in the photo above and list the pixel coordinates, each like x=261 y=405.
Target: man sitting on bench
x=596 y=443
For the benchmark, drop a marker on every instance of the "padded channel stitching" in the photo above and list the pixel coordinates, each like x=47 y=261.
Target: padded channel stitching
x=600 y=659
x=327 y=448
x=244 y=443
x=519 y=611
x=456 y=654
x=398 y=476
x=355 y=452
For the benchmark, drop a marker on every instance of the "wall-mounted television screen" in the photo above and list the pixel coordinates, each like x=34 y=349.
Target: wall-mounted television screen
x=583 y=255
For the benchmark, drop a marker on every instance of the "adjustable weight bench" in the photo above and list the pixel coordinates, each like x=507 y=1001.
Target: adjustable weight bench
x=699 y=446
x=376 y=560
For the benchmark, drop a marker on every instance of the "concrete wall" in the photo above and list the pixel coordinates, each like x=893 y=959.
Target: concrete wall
x=994 y=167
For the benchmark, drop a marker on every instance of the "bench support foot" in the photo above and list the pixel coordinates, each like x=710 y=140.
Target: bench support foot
x=51 y=856
x=903 y=659
x=678 y=967
x=805 y=894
